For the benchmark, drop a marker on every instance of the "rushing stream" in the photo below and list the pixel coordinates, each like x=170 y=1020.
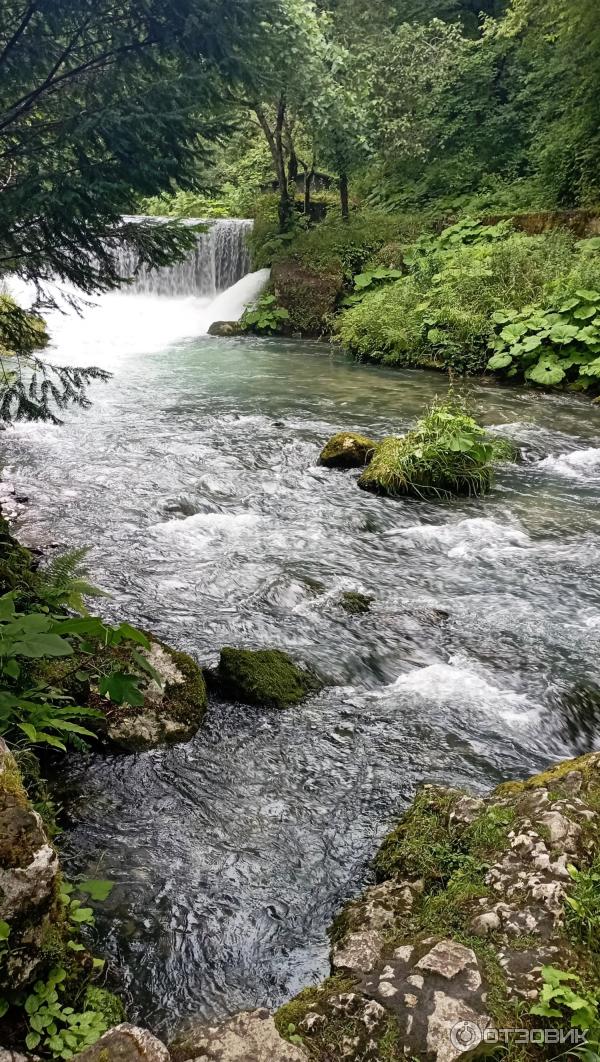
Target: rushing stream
x=194 y=478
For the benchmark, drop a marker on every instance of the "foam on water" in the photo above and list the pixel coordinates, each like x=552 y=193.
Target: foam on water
x=578 y=465
x=475 y=536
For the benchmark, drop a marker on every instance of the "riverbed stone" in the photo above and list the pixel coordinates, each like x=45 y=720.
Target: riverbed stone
x=225 y=328
x=248 y=1037
x=28 y=879
x=268 y=678
x=347 y=449
x=126 y=1043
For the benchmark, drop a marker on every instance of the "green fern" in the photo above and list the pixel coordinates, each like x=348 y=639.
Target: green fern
x=64 y=581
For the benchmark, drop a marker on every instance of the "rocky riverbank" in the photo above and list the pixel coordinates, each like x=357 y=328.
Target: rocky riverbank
x=483 y=918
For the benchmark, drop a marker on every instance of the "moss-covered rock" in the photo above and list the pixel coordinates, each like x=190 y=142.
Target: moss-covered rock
x=309 y=295
x=225 y=328
x=347 y=449
x=173 y=707
x=355 y=603
x=265 y=677
x=29 y=876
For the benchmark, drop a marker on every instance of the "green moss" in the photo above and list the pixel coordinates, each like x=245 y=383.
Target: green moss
x=552 y=778
x=347 y=449
x=188 y=698
x=355 y=603
x=105 y=1003
x=422 y=844
x=266 y=677
x=17 y=566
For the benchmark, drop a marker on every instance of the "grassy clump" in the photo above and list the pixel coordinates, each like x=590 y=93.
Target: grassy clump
x=265 y=677
x=447 y=453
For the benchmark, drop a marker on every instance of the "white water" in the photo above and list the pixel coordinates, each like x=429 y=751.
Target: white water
x=230 y=304
x=160 y=307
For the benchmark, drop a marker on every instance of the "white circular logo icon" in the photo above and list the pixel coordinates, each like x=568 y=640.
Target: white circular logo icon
x=465 y=1035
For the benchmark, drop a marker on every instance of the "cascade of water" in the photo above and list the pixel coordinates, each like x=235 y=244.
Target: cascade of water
x=219 y=260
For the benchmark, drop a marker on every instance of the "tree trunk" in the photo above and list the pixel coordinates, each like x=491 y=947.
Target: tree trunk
x=276 y=147
x=308 y=180
x=344 y=196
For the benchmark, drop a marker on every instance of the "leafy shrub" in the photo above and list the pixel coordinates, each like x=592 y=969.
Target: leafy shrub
x=347 y=245
x=368 y=281
x=266 y=316
x=550 y=346
x=563 y=996
x=56 y=1028
x=446 y=453
x=35 y=642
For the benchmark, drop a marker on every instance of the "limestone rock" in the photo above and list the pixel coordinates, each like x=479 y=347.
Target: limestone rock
x=126 y=1043
x=347 y=450
x=265 y=677
x=173 y=709
x=247 y=1037
x=225 y=328
x=28 y=877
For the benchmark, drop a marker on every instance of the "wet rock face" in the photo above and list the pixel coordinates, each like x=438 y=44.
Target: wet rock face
x=126 y=1043
x=347 y=450
x=173 y=709
x=28 y=878
x=248 y=1037
x=268 y=678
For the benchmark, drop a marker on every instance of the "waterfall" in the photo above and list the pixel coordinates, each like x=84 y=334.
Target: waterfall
x=220 y=259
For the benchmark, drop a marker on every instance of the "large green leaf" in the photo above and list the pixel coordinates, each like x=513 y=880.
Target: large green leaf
x=513 y=332
x=499 y=361
x=587 y=295
x=546 y=372
x=36 y=646
x=593 y=369
x=563 y=333
x=122 y=689
x=583 y=313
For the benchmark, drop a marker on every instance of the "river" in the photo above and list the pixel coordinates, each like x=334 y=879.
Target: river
x=194 y=479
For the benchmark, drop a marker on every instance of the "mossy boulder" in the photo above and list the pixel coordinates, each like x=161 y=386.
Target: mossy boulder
x=475 y=896
x=347 y=449
x=309 y=295
x=355 y=603
x=268 y=678
x=173 y=708
x=126 y=1043
x=29 y=877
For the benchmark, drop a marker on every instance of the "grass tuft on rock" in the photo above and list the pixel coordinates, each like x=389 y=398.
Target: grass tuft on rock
x=446 y=454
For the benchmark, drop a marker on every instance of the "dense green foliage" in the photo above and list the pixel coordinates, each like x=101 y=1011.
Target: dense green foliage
x=461 y=297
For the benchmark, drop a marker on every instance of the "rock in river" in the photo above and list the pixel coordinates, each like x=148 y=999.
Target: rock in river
x=347 y=450
x=268 y=678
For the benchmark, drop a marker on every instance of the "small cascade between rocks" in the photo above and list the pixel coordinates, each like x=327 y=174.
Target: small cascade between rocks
x=220 y=259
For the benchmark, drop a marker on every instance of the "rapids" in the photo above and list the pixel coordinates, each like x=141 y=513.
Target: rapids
x=194 y=479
